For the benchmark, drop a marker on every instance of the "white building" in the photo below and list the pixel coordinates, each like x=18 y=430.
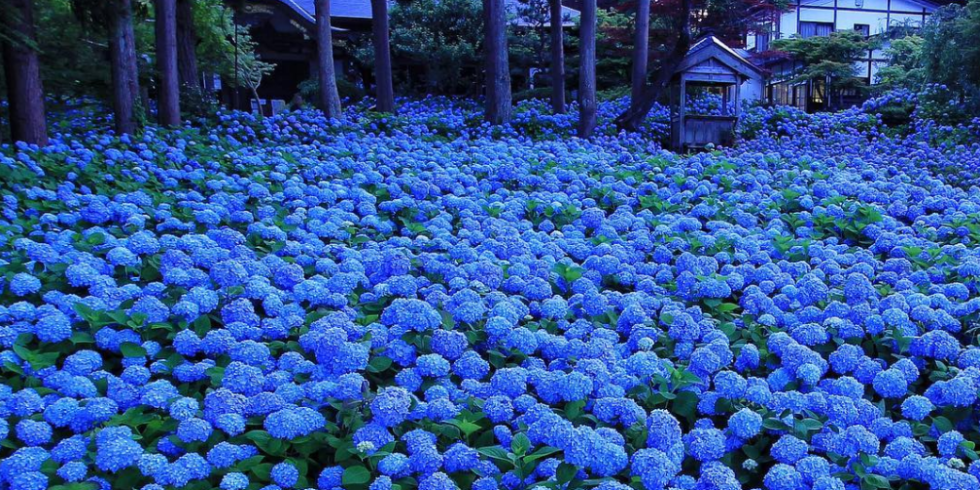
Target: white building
x=807 y=18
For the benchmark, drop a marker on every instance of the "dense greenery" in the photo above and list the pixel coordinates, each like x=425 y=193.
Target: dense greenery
x=940 y=62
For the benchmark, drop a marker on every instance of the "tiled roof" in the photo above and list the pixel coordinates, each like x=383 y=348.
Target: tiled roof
x=711 y=40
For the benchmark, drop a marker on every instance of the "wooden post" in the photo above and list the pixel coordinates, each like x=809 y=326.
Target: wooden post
x=329 y=96
x=385 y=94
x=738 y=99
x=557 y=59
x=168 y=91
x=680 y=113
x=25 y=94
x=498 y=109
x=587 y=82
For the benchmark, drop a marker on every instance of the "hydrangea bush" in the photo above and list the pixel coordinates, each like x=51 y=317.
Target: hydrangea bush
x=424 y=302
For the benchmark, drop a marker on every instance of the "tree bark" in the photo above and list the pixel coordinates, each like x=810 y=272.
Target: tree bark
x=586 y=79
x=498 y=109
x=258 y=101
x=25 y=93
x=638 y=110
x=168 y=90
x=190 y=78
x=329 y=96
x=557 y=59
x=641 y=49
x=122 y=63
x=385 y=93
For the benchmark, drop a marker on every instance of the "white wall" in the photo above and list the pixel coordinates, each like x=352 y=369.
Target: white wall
x=751 y=90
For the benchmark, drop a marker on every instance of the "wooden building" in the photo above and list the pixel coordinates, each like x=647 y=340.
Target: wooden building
x=809 y=18
x=712 y=66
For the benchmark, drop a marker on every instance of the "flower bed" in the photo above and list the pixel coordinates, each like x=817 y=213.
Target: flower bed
x=427 y=302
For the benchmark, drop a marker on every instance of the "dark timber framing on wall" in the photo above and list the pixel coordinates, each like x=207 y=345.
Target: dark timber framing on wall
x=798 y=5
x=923 y=13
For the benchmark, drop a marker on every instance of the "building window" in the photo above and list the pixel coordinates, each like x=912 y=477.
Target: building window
x=799 y=96
x=863 y=29
x=762 y=42
x=813 y=29
x=779 y=94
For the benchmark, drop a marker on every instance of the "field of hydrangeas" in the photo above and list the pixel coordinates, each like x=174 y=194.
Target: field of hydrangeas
x=425 y=302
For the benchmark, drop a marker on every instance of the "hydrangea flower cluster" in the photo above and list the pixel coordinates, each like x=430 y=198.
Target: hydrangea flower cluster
x=425 y=302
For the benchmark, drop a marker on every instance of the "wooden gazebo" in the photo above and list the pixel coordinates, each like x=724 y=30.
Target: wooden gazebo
x=709 y=63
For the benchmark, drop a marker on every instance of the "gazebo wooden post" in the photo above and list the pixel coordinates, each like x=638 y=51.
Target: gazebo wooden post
x=682 y=100
x=725 y=93
x=738 y=100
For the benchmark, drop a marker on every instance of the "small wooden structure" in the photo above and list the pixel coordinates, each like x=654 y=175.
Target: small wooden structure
x=713 y=65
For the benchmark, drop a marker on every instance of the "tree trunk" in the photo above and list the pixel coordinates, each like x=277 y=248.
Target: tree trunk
x=168 y=90
x=498 y=71
x=258 y=100
x=557 y=59
x=122 y=62
x=190 y=78
x=329 y=96
x=641 y=49
x=586 y=79
x=25 y=94
x=385 y=93
x=431 y=80
x=638 y=110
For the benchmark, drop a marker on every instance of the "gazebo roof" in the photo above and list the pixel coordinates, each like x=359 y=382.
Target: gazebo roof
x=711 y=56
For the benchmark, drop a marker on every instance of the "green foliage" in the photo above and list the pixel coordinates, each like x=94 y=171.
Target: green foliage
x=828 y=58
x=950 y=54
x=904 y=69
x=214 y=26
x=71 y=59
x=614 y=46
x=528 y=45
x=442 y=40
x=249 y=68
x=309 y=89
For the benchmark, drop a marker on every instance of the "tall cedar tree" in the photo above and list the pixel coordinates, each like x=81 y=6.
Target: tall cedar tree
x=190 y=78
x=122 y=63
x=115 y=18
x=498 y=71
x=168 y=83
x=329 y=96
x=25 y=94
x=641 y=48
x=557 y=57
x=586 y=83
x=385 y=93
